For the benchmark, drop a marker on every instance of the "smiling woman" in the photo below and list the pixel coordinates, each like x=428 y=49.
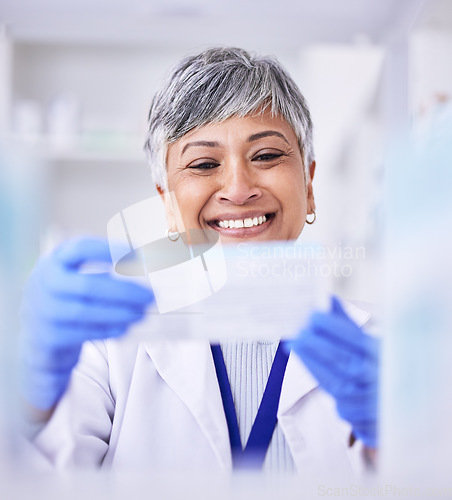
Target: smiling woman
x=230 y=136
x=243 y=177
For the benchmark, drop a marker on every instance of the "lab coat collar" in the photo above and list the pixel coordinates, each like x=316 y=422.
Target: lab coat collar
x=188 y=368
x=298 y=382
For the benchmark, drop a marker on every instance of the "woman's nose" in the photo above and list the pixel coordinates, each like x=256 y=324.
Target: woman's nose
x=239 y=185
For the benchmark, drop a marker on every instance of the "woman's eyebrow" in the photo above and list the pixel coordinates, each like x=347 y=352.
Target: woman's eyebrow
x=209 y=144
x=266 y=133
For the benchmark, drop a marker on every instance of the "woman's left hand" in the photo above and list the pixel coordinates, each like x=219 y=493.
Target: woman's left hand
x=345 y=362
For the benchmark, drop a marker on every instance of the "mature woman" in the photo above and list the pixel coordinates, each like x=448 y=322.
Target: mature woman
x=231 y=136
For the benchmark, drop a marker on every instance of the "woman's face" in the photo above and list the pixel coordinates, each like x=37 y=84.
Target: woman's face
x=243 y=177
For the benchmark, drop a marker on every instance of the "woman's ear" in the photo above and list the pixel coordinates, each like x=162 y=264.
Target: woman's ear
x=169 y=208
x=174 y=219
x=309 y=189
x=311 y=170
x=159 y=190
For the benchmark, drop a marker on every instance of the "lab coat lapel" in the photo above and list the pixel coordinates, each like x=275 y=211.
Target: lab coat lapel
x=188 y=368
x=298 y=382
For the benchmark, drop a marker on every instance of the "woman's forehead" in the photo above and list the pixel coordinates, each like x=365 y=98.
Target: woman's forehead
x=261 y=124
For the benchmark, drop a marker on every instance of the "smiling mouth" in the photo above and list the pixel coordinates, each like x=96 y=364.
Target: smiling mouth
x=243 y=223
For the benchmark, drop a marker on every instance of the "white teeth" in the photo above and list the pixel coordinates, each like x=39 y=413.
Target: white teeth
x=240 y=223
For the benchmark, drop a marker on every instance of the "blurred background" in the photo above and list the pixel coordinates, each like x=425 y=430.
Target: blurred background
x=77 y=78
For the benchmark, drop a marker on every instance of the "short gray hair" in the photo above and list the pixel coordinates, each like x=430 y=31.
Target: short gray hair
x=215 y=85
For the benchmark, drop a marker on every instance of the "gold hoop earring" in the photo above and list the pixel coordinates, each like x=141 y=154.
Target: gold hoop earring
x=313 y=220
x=172 y=235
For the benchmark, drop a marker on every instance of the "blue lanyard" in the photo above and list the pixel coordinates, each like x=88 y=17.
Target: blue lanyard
x=253 y=455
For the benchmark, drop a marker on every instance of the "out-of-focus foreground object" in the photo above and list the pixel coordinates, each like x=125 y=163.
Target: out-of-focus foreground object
x=19 y=222
x=417 y=404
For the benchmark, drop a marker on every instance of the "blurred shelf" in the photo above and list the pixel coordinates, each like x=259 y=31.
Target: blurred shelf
x=100 y=148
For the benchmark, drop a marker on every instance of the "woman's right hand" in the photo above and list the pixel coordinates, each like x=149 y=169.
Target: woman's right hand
x=62 y=308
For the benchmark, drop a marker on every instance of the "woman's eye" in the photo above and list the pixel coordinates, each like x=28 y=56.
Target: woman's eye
x=267 y=156
x=206 y=165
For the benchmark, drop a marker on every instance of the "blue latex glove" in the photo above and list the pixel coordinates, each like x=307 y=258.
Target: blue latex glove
x=344 y=360
x=62 y=308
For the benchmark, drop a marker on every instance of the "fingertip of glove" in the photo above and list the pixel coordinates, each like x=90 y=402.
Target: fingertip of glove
x=317 y=317
x=297 y=343
x=288 y=345
x=337 y=307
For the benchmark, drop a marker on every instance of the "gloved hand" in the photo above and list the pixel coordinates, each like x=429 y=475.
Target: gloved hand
x=344 y=360
x=62 y=308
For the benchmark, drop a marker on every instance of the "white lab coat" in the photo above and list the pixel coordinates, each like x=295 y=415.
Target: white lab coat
x=157 y=406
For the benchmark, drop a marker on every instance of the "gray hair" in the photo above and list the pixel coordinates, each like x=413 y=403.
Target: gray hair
x=215 y=85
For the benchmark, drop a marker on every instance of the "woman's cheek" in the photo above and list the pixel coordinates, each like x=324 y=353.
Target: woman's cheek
x=190 y=216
